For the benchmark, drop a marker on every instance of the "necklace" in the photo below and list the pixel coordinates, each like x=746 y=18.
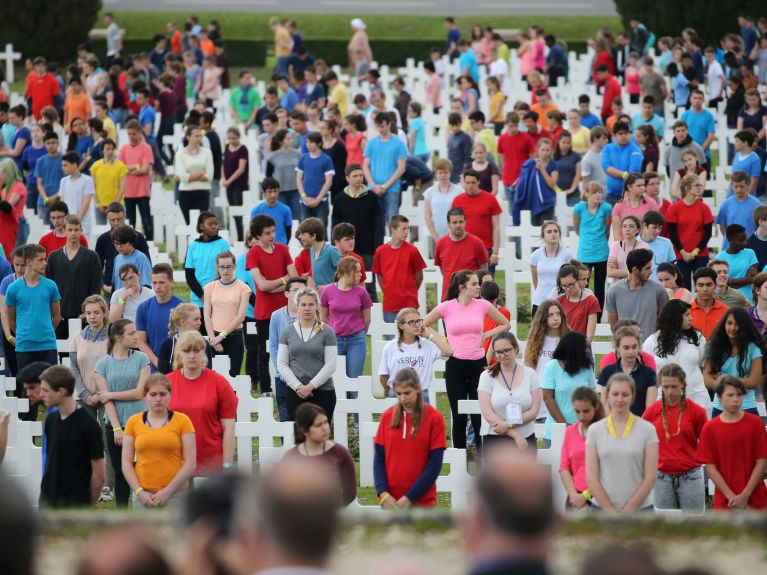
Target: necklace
x=306 y=449
x=611 y=426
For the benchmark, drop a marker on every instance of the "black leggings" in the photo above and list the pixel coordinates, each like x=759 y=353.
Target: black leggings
x=193 y=200
x=234 y=197
x=325 y=399
x=599 y=269
x=461 y=380
x=122 y=489
x=251 y=355
x=146 y=215
x=262 y=356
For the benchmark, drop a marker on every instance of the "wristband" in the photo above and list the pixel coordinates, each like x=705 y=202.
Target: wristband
x=284 y=281
x=120 y=429
x=494 y=254
x=384 y=497
x=139 y=490
x=587 y=495
x=227 y=465
x=121 y=301
x=510 y=425
x=9 y=338
x=695 y=252
x=223 y=332
x=625 y=175
x=431 y=337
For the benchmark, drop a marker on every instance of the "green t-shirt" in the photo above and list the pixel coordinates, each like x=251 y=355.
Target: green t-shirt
x=244 y=101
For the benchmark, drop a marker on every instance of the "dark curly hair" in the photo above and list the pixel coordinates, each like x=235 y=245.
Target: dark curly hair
x=720 y=347
x=669 y=326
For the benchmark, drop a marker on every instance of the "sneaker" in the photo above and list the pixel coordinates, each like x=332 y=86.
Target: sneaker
x=106 y=494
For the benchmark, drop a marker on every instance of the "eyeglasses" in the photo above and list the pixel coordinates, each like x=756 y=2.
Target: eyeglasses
x=506 y=351
x=226 y=268
x=129 y=278
x=414 y=322
x=569 y=286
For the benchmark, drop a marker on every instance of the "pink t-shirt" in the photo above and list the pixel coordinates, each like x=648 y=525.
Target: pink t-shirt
x=345 y=308
x=573 y=457
x=622 y=209
x=137 y=186
x=619 y=253
x=610 y=358
x=464 y=324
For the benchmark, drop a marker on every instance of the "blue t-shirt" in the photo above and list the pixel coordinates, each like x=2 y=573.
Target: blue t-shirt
x=662 y=251
x=739 y=265
x=29 y=158
x=324 y=268
x=468 y=60
x=123 y=375
x=152 y=317
x=22 y=133
x=656 y=122
x=34 y=329
x=626 y=158
x=244 y=275
x=384 y=157
x=731 y=366
x=750 y=163
x=314 y=171
x=7 y=281
x=735 y=211
x=592 y=243
x=453 y=37
x=700 y=125
x=201 y=257
x=416 y=126
x=146 y=117
x=681 y=87
x=563 y=384
x=590 y=120
x=83 y=145
x=289 y=100
x=139 y=260
x=6 y=271
x=282 y=216
x=48 y=169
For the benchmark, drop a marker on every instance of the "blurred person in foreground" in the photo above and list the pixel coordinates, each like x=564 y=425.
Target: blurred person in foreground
x=18 y=529
x=123 y=550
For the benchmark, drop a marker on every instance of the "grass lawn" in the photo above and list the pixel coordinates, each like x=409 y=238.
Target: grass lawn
x=250 y=26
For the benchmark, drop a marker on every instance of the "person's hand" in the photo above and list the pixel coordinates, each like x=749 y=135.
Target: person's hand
x=385 y=389
x=739 y=501
x=305 y=391
x=403 y=502
x=103 y=396
x=500 y=427
x=578 y=501
x=521 y=442
x=493 y=260
x=218 y=347
x=389 y=503
x=103 y=209
x=214 y=341
x=92 y=400
x=12 y=340
x=224 y=183
x=160 y=498
x=146 y=498
x=119 y=440
x=377 y=190
x=539 y=165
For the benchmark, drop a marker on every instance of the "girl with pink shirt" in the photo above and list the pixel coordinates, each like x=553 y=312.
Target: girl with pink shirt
x=464 y=316
x=633 y=203
x=631 y=74
x=619 y=249
x=539 y=47
x=572 y=463
x=355 y=139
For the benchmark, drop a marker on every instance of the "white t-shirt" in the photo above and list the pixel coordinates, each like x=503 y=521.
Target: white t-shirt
x=421 y=359
x=73 y=194
x=500 y=397
x=440 y=203
x=547 y=269
x=715 y=79
x=500 y=70
x=131 y=304
x=547 y=351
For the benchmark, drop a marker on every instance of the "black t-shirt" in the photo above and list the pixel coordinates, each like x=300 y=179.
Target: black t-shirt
x=31 y=415
x=71 y=444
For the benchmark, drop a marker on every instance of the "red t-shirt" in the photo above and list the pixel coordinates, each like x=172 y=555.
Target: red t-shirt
x=677 y=454
x=539 y=135
x=272 y=266
x=516 y=150
x=206 y=401
x=51 y=242
x=358 y=257
x=578 y=312
x=734 y=449
x=303 y=263
x=406 y=457
x=479 y=210
x=689 y=221
x=664 y=206
x=612 y=90
x=491 y=324
x=451 y=256
x=42 y=90
x=397 y=269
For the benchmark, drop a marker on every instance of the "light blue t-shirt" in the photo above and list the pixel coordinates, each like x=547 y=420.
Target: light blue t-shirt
x=656 y=122
x=592 y=243
x=563 y=384
x=201 y=256
x=416 y=126
x=662 y=251
x=681 y=87
x=123 y=375
x=244 y=275
x=469 y=60
x=731 y=367
x=146 y=117
x=282 y=215
x=735 y=211
x=700 y=125
x=739 y=265
x=139 y=260
x=748 y=163
x=34 y=329
x=384 y=157
x=324 y=267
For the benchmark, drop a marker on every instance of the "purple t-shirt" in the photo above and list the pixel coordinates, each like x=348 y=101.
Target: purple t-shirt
x=345 y=308
x=464 y=325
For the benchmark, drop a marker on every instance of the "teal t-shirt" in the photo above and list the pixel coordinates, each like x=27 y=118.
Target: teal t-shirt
x=244 y=275
x=731 y=366
x=563 y=384
x=34 y=328
x=201 y=256
x=324 y=267
x=739 y=265
x=592 y=243
x=123 y=375
x=417 y=127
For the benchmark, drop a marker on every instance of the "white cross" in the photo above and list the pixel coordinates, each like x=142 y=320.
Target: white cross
x=10 y=56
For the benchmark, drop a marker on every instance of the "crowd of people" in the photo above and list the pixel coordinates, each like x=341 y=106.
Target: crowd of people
x=680 y=391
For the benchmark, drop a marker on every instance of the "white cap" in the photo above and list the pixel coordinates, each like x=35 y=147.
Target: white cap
x=358 y=24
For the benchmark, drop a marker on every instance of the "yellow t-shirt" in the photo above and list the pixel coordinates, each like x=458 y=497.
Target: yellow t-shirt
x=106 y=179
x=487 y=137
x=494 y=99
x=581 y=140
x=159 y=452
x=281 y=35
x=110 y=129
x=339 y=96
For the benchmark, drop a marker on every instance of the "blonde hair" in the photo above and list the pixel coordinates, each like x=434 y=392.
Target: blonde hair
x=592 y=188
x=156 y=379
x=179 y=314
x=620 y=378
x=403 y=313
x=307 y=291
x=99 y=301
x=189 y=341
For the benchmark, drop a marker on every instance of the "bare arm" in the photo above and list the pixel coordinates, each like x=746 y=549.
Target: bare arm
x=228 y=440
x=144 y=347
x=427 y=218
x=55 y=314
x=721 y=484
x=98 y=473
x=551 y=405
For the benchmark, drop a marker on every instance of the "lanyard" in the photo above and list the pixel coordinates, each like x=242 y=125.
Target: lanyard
x=301 y=332
x=513 y=373
x=626 y=431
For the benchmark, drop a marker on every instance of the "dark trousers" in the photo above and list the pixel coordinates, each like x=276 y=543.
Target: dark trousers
x=370 y=286
x=234 y=197
x=193 y=200
x=166 y=129
x=24 y=358
x=146 y=215
x=10 y=362
x=599 y=270
x=122 y=489
x=251 y=355
x=262 y=356
x=325 y=399
x=234 y=347
x=281 y=395
x=461 y=380
x=538 y=219
x=688 y=269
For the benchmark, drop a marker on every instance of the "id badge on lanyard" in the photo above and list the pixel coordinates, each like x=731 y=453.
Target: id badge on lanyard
x=514 y=413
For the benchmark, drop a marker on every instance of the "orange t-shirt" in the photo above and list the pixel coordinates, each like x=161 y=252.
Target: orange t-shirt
x=76 y=106
x=159 y=452
x=490 y=324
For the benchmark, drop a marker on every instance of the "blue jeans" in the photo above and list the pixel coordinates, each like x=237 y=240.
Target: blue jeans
x=322 y=211
x=390 y=316
x=354 y=347
x=23 y=234
x=281 y=67
x=685 y=491
x=390 y=204
x=33 y=194
x=291 y=199
x=281 y=394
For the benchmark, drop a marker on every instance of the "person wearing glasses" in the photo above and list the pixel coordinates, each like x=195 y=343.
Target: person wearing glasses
x=125 y=301
x=225 y=303
x=581 y=309
x=124 y=240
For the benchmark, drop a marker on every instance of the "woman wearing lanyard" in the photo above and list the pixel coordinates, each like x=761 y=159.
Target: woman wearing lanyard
x=678 y=423
x=509 y=398
x=572 y=463
x=621 y=453
x=226 y=301
x=464 y=314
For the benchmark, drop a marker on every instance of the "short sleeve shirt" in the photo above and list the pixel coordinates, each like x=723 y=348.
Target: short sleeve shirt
x=592 y=244
x=34 y=328
x=131 y=156
x=384 y=157
x=272 y=266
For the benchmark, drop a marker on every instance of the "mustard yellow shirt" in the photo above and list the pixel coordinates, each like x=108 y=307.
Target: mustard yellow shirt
x=106 y=179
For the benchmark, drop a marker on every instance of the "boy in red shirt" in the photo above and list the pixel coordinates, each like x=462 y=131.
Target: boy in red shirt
x=303 y=261
x=41 y=87
x=734 y=448
x=482 y=215
x=399 y=267
x=612 y=89
x=458 y=250
x=343 y=236
x=56 y=238
x=514 y=148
